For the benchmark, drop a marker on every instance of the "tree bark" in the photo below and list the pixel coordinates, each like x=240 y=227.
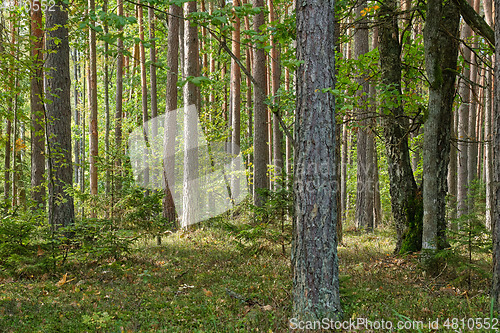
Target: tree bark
x=191 y=105
x=171 y=114
x=314 y=248
x=235 y=106
x=441 y=52
x=495 y=290
x=119 y=105
x=260 y=134
x=58 y=108
x=405 y=200
x=94 y=145
x=37 y=112
x=364 y=192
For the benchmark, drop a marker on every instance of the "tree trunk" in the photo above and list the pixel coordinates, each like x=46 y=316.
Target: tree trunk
x=364 y=192
x=495 y=292
x=58 y=108
x=314 y=248
x=94 y=146
x=260 y=134
x=171 y=114
x=119 y=105
x=405 y=200
x=144 y=91
x=37 y=113
x=107 y=186
x=441 y=51
x=275 y=84
x=463 y=129
x=191 y=104
x=235 y=107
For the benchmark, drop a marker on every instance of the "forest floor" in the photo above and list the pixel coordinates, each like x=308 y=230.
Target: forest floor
x=211 y=280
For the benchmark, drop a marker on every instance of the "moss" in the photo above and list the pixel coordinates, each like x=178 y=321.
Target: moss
x=412 y=239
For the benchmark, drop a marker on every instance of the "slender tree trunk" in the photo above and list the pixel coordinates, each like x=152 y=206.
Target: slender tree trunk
x=37 y=113
x=107 y=186
x=235 y=106
x=260 y=136
x=488 y=151
x=463 y=129
x=171 y=113
x=441 y=52
x=191 y=105
x=314 y=248
x=495 y=292
x=119 y=106
x=94 y=145
x=58 y=108
x=364 y=192
x=144 y=90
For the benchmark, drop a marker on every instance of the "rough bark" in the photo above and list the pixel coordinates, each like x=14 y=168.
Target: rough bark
x=495 y=290
x=191 y=101
x=58 y=108
x=405 y=200
x=441 y=52
x=314 y=249
x=171 y=113
x=260 y=134
x=364 y=192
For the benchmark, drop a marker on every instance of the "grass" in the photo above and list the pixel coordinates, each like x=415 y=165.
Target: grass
x=209 y=280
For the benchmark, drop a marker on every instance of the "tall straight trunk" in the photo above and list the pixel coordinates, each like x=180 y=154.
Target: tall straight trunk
x=94 y=145
x=495 y=290
x=275 y=84
x=152 y=72
x=344 y=166
x=107 y=186
x=58 y=108
x=364 y=192
x=463 y=129
x=260 y=134
x=372 y=152
x=405 y=201
x=472 y=149
x=452 y=170
x=119 y=105
x=37 y=112
x=441 y=52
x=248 y=102
x=314 y=248
x=235 y=106
x=488 y=151
x=76 y=115
x=191 y=105
x=171 y=113
x=144 y=88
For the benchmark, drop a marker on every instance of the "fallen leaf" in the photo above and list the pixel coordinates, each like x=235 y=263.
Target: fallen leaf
x=63 y=280
x=267 y=308
x=208 y=293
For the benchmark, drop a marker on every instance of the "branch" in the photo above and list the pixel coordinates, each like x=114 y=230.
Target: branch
x=476 y=22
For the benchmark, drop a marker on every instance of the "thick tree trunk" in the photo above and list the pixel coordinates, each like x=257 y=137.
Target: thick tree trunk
x=37 y=113
x=314 y=249
x=405 y=200
x=441 y=53
x=260 y=136
x=58 y=108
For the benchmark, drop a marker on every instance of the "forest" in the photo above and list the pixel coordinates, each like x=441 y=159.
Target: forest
x=249 y=165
